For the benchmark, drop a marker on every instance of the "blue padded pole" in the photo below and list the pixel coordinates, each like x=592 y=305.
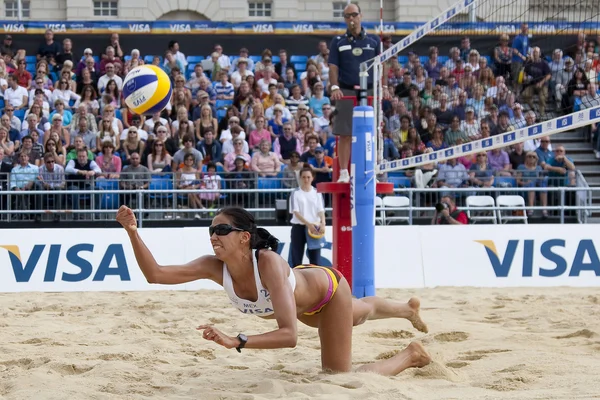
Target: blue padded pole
x=362 y=196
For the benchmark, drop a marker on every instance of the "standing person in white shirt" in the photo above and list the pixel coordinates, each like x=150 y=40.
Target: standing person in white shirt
x=15 y=95
x=110 y=74
x=223 y=60
x=174 y=49
x=308 y=215
x=241 y=72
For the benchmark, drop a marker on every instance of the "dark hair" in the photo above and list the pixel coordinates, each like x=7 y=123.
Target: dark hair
x=307 y=169
x=260 y=238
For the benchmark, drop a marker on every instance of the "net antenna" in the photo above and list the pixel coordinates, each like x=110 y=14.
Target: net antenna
x=553 y=24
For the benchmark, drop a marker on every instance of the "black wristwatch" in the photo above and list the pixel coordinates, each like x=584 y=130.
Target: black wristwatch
x=243 y=339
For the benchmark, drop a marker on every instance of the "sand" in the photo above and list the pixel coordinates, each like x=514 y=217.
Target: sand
x=485 y=344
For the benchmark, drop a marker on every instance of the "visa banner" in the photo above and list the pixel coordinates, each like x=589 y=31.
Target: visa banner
x=285 y=28
x=503 y=256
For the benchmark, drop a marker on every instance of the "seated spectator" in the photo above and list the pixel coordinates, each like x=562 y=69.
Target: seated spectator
x=228 y=145
x=259 y=134
x=182 y=119
x=206 y=122
x=291 y=172
x=8 y=147
x=109 y=163
x=149 y=123
x=22 y=76
x=36 y=110
x=90 y=139
x=227 y=134
x=107 y=133
x=133 y=144
x=224 y=88
x=27 y=146
x=210 y=148
x=160 y=158
x=63 y=92
x=136 y=124
x=210 y=181
x=264 y=161
x=451 y=174
x=517 y=156
x=321 y=165
x=238 y=150
x=32 y=126
x=317 y=100
x=285 y=145
x=51 y=177
x=188 y=177
x=296 y=99
x=561 y=169
x=454 y=134
x=59 y=109
x=538 y=73
x=289 y=79
x=15 y=95
x=79 y=145
x=499 y=162
x=134 y=176
x=544 y=151
x=437 y=140
x=303 y=128
x=450 y=215
x=427 y=126
x=480 y=173
x=241 y=72
x=322 y=125
x=276 y=124
x=266 y=80
x=530 y=175
x=90 y=118
x=22 y=179
x=269 y=100
x=188 y=148
x=110 y=75
x=471 y=125
x=110 y=59
x=54 y=147
x=108 y=113
x=312 y=142
x=390 y=151
x=112 y=96
x=413 y=144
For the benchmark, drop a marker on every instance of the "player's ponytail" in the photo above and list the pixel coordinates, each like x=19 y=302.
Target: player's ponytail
x=262 y=239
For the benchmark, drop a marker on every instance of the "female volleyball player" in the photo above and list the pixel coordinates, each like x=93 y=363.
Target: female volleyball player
x=263 y=282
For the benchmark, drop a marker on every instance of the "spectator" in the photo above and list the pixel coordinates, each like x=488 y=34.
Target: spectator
x=107 y=133
x=531 y=175
x=544 y=151
x=133 y=144
x=285 y=145
x=66 y=55
x=150 y=123
x=499 y=162
x=136 y=124
x=51 y=177
x=8 y=147
x=321 y=166
x=109 y=75
x=15 y=95
x=259 y=134
x=432 y=65
x=174 y=49
x=188 y=178
x=210 y=181
x=223 y=60
x=455 y=134
x=109 y=163
x=14 y=135
x=518 y=156
x=451 y=174
x=238 y=150
x=59 y=111
x=32 y=126
x=160 y=158
x=134 y=177
x=289 y=79
x=561 y=169
x=27 y=147
x=283 y=65
x=322 y=124
x=81 y=172
x=7 y=45
x=480 y=173
x=317 y=100
x=188 y=148
x=5 y=168
x=450 y=214
x=79 y=145
x=296 y=99
x=112 y=60
x=308 y=216
x=243 y=55
x=280 y=103
x=470 y=125
x=22 y=76
x=291 y=172
x=206 y=122
x=264 y=161
x=241 y=72
x=182 y=119
x=90 y=138
x=57 y=126
x=63 y=92
x=49 y=49
x=538 y=73
x=437 y=139
x=266 y=80
x=210 y=148
x=224 y=88
x=87 y=116
x=22 y=179
x=54 y=147
x=276 y=124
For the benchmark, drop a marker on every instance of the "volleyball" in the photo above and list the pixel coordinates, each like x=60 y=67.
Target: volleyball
x=147 y=89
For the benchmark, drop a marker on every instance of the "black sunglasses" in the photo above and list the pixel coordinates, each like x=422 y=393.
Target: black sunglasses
x=222 y=229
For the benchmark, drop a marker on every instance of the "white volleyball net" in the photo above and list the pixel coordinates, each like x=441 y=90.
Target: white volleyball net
x=493 y=63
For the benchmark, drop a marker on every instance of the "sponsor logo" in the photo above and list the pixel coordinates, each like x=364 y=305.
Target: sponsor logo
x=13 y=28
x=390 y=29
x=509 y=137
x=595 y=113
x=549 y=256
x=69 y=264
x=180 y=28
x=303 y=28
x=139 y=28
x=564 y=122
x=56 y=27
x=263 y=28
x=534 y=130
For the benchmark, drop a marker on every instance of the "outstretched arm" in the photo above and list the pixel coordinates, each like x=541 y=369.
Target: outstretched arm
x=205 y=267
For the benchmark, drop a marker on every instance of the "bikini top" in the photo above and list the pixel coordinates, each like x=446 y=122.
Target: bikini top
x=262 y=306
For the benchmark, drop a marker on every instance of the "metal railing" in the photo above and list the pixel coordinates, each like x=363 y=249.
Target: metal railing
x=98 y=199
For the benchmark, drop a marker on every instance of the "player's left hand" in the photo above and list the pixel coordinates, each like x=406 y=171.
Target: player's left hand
x=213 y=334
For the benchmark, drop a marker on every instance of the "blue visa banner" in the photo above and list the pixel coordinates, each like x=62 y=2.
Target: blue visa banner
x=286 y=28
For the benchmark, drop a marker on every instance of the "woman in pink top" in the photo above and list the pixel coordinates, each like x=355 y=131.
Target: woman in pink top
x=265 y=162
x=109 y=163
x=259 y=134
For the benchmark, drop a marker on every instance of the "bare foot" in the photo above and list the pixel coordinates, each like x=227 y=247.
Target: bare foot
x=418 y=355
x=416 y=320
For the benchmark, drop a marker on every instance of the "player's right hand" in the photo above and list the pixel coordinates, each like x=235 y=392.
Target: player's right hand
x=336 y=95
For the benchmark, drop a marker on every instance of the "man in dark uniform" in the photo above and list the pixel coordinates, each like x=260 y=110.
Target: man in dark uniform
x=346 y=53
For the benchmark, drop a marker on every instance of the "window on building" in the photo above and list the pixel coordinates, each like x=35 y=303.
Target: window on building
x=259 y=9
x=11 y=9
x=338 y=9
x=106 y=8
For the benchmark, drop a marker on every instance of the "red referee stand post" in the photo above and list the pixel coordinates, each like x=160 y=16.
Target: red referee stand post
x=342 y=214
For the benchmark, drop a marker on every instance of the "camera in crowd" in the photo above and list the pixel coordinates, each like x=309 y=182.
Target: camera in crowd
x=439 y=207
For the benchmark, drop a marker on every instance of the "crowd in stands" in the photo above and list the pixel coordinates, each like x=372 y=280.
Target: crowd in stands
x=64 y=120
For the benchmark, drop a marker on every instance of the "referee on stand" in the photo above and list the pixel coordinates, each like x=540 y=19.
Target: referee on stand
x=346 y=53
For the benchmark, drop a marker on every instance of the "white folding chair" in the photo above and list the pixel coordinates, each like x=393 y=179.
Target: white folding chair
x=511 y=203
x=395 y=203
x=379 y=220
x=485 y=215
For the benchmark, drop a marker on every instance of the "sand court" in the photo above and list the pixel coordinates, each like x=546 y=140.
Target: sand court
x=485 y=343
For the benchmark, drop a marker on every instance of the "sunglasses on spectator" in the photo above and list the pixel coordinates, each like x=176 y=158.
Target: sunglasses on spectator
x=222 y=229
